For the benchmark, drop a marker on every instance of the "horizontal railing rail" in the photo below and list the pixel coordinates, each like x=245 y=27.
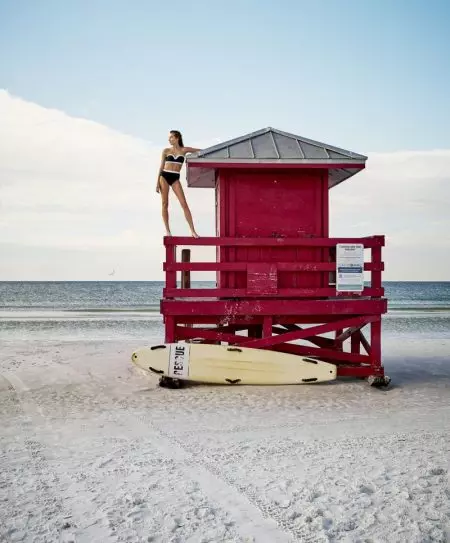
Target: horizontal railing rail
x=262 y=275
x=368 y=241
x=282 y=266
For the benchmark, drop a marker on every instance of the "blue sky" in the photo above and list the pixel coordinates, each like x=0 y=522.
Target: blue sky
x=366 y=75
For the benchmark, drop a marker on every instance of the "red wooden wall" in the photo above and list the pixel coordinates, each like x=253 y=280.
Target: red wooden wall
x=264 y=203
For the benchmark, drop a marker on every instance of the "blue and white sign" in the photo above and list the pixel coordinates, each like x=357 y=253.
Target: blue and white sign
x=349 y=267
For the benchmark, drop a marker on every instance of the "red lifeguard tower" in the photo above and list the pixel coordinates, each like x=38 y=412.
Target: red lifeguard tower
x=282 y=282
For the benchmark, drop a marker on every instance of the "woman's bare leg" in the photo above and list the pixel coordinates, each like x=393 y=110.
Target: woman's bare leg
x=164 y=189
x=178 y=190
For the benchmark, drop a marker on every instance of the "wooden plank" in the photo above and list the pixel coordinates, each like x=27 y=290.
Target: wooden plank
x=375 y=342
x=345 y=335
x=243 y=322
x=355 y=343
x=376 y=273
x=170 y=329
x=354 y=371
x=315 y=340
x=301 y=334
x=338 y=344
x=185 y=275
x=267 y=328
x=211 y=334
x=171 y=276
x=323 y=354
x=365 y=343
x=224 y=309
x=282 y=266
x=233 y=327
x=244 y=293
x=368 y=242
x=301 y=350
x=262 y=279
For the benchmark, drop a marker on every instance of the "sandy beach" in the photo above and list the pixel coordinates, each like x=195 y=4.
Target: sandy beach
x=94 y=451
x=202 y=171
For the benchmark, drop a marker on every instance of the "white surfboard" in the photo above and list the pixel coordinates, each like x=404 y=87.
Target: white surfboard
x=224 y=364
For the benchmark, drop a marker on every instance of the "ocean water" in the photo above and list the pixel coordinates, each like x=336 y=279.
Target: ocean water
x=66 y=311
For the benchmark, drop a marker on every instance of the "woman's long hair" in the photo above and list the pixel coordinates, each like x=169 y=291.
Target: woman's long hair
x=179 y=137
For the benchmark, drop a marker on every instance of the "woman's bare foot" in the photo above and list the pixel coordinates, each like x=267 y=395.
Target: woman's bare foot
x=194 y=234
x=168 y=233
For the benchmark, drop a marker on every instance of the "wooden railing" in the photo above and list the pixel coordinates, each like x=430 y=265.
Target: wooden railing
x=262 y=276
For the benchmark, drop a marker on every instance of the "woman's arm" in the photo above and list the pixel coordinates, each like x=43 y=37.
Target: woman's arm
x=161 y=167
x=191 y=149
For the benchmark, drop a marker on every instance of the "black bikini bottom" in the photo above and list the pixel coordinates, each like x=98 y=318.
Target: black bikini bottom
x=170 y=177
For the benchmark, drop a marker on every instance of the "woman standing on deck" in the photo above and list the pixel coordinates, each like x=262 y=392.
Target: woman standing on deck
x=169 y=176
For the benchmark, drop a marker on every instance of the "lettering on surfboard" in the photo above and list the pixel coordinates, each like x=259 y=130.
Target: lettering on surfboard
x=179 y=361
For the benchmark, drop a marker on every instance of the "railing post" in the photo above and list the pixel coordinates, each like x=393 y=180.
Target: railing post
x=376 y=273
x=332 y=259
x=375 y=340
x=355 y=339
x=267 y=326
x=338 y=344
x=171 y=276
x=170 y=329
x=185 y=275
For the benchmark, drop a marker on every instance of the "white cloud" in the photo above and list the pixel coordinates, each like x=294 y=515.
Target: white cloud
x=78 y=199
x=406 y=197
x=76 y=188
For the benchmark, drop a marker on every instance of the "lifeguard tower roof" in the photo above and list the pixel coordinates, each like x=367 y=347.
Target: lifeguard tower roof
x=272 y=148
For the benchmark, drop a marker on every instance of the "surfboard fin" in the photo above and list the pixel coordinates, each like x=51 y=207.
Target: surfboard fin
x=311 y=380
x=155 y=370
x=158 y=347
x=233 y=381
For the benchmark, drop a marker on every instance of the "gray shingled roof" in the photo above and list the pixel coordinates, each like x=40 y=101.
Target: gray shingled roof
x=272 y=146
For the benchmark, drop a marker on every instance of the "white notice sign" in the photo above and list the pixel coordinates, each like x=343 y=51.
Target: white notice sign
x=349 y=267
x=179 y=360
